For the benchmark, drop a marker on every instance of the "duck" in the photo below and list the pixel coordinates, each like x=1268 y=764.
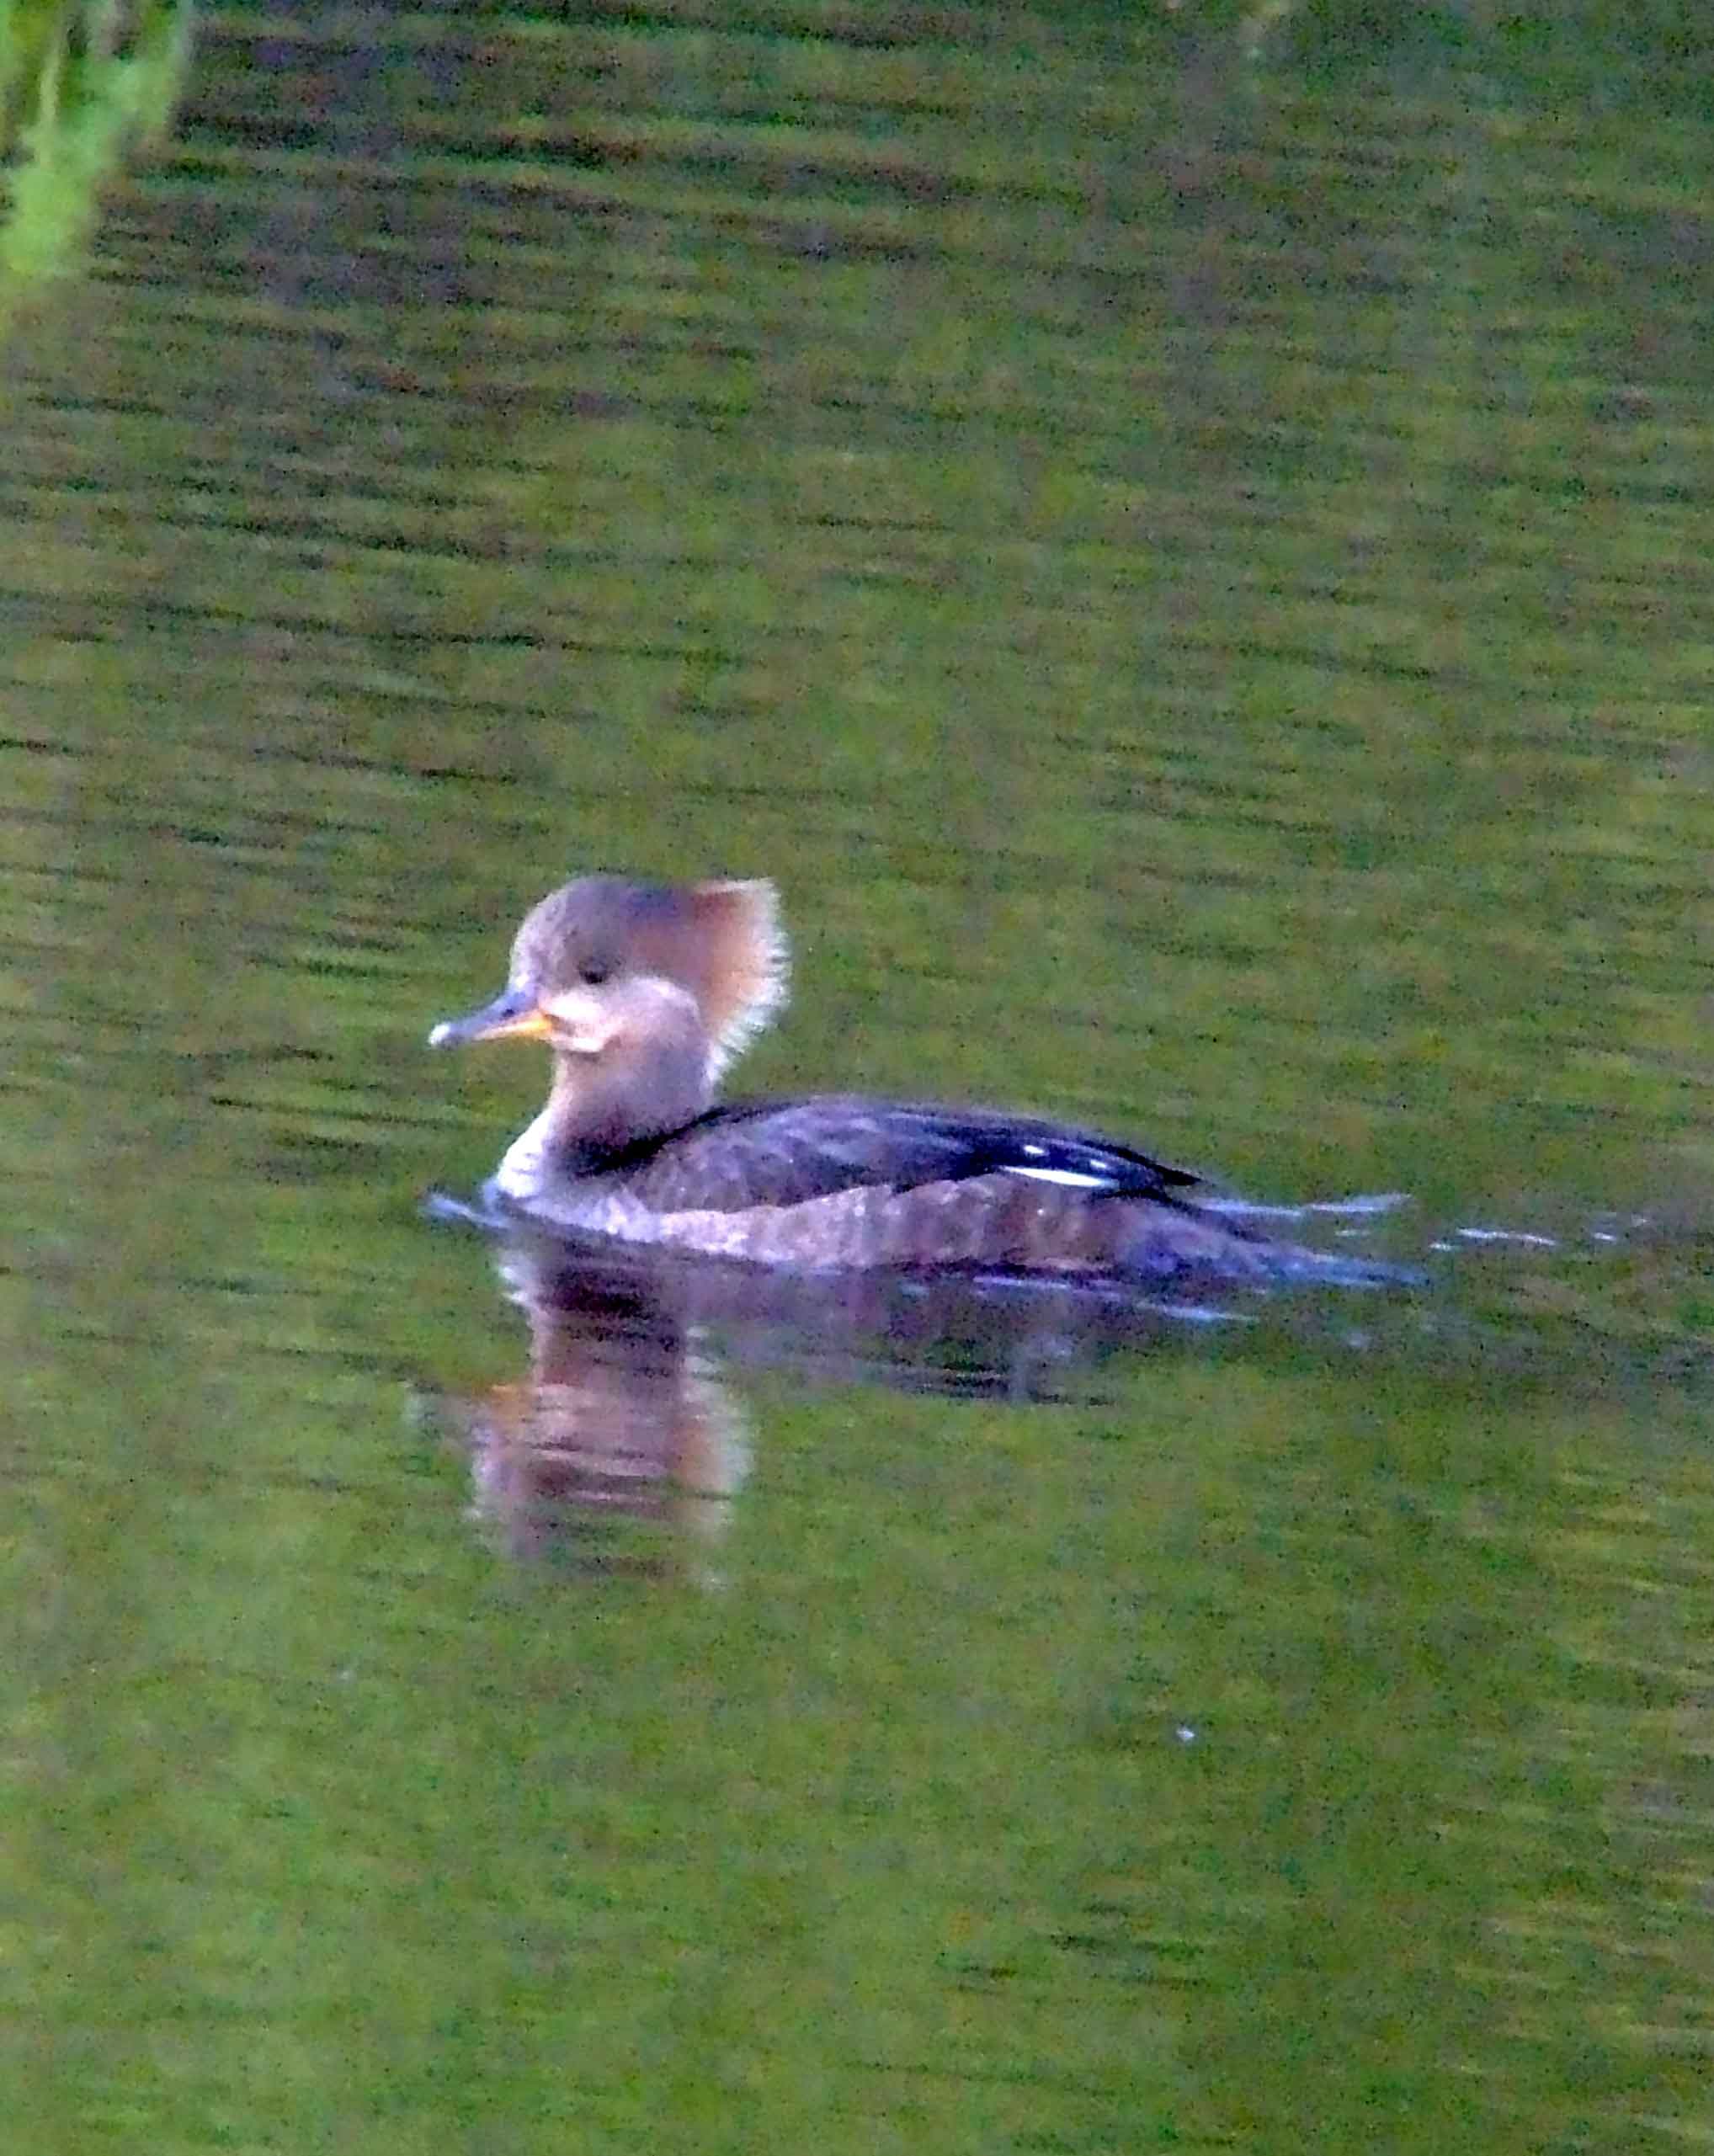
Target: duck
x=645 y=992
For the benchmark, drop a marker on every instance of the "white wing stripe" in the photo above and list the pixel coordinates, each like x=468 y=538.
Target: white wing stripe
x=1074 y=1178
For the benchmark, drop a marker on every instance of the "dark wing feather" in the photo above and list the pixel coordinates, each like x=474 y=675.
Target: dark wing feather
x=782 y=1152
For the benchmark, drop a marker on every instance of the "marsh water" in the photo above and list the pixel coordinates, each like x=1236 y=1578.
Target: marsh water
x=1192 y=570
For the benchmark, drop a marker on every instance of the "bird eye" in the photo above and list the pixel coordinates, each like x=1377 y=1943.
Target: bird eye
x=595 y=970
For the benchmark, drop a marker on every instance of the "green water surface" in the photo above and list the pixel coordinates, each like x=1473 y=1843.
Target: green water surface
x=1191 y=567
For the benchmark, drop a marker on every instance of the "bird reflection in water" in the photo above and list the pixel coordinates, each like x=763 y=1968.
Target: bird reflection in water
x=625 y=1447
x=620 y=1420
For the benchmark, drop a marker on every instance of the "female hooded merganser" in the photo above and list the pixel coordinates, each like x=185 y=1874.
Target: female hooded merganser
x=645 y=992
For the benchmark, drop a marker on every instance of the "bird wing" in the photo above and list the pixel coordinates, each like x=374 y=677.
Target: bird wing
x=785 y=1153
